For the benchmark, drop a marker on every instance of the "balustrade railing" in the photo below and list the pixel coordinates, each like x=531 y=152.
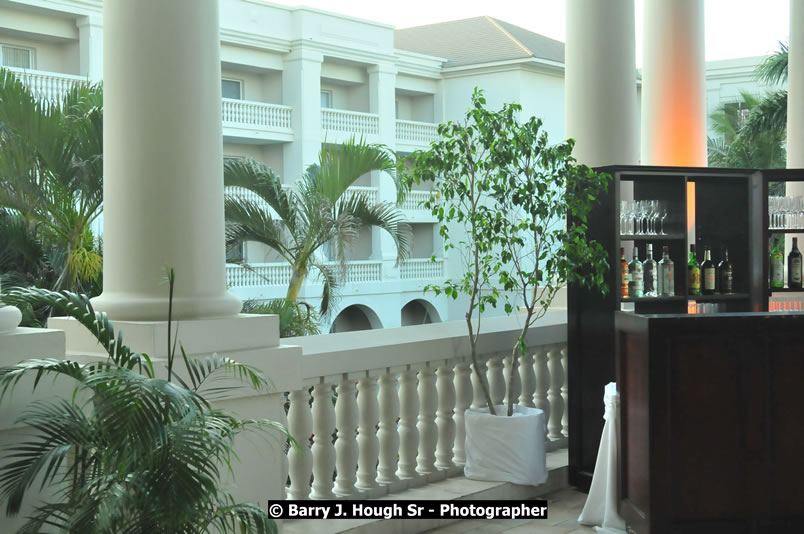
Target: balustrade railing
x=421 y=269
x=370 y=192
x=49 y=86
x=261 y=114
x=357 y=122
x=258 y=274
x=361 y=271
x=413 y=200
x=395 y=403
x=418 y=132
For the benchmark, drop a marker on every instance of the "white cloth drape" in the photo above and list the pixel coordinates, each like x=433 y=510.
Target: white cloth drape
x=601 y=503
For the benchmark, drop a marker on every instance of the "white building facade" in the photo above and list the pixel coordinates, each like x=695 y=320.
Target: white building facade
x=295 y=78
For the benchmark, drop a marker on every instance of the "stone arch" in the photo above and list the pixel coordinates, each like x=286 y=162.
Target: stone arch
x=419 y=311
x=355 y=317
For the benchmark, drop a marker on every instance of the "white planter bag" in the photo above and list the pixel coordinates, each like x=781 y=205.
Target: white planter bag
x=506 y=449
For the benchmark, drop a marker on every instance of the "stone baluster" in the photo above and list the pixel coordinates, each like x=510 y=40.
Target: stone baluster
x=346 y=445
x=528 y=379
x=463 y=400
x=542 y=372
x=408 y=433
x=565 y=393
x=388 y=433
x=323 y=450
x=428 y=431
x=445 y=416
x=554 y=395
x=478 y=400
x=367 y=442
x=300 y=461
x=512 y=382
x=496 y=380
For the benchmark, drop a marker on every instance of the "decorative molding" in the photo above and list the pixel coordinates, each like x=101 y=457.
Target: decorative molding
x=255 y=41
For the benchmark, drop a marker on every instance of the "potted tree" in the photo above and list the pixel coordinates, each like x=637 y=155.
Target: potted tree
x=502 y=196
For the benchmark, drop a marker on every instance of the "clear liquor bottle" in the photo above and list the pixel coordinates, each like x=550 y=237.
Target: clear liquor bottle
x=635 y=277
x=650 y=272
x=667 y=278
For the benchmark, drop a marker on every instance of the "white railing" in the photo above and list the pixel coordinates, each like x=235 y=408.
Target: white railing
x=370 y=192
x=422 y=269
x=396 y=399
x=247 y=113
x=418 y=132
x=414 y=199
x=258 y=274
x=360 y=271
x=357 y=122
x=50 y=86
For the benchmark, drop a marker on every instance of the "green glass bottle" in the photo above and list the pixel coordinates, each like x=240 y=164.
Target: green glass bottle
x=776 y=266
x=694 y=271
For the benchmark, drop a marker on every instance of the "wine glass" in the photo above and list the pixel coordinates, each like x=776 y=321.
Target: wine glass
x=653 y=214
x=664 y=211
x=623 y=214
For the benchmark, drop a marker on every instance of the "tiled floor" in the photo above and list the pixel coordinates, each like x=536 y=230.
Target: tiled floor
x=563 y=509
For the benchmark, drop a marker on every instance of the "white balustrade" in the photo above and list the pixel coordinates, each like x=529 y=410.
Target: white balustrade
x=255 y=114
x=358 y=272
x=397 y=426
x=258 y=274
x=369 y=192
x=422 y=269
x=418 y=132
x=414 y=200
x=565 y=393
x=356 y=122
x=428 y=431
x=48 y=86
x=346 y=445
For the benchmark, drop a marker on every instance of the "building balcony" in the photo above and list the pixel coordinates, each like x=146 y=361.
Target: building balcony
x=338 y=125
x=244 y=120
x=414 y=135
x=278 y=274
x=50 y=86
x=415 y=212
x=422 y=269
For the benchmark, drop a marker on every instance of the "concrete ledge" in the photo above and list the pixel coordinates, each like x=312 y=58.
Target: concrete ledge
x=457 y=488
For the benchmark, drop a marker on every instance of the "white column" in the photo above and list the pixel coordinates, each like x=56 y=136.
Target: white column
x=795 y=93
x=382 y=101
x=301 y=89
x=323 y=450
x=428 y=431
x=367 y=441
x=408 y=433
x=463 y=399
x=163 y=161
x=445 y=416
x=600 y=82
x=90 y=42
x=388 y=433
x=346 y=454
x=300 y=426
x=674 y=84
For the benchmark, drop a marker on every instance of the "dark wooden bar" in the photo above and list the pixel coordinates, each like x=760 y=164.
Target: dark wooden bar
x=712 y=422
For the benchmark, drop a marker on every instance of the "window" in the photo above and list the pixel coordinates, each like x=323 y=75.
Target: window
x=231 y=89
x=236 y=253
x=326 y=99
x=16 y=56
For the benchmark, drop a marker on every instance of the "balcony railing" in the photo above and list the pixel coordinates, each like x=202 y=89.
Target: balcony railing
x=422 y=133
x=397 y=403
x=258 y=274
x=422 y=269
x=370 y=192
x=361 y=271
x=49 y=86
x=414 y=199
x=355 y=122
x=255 y=114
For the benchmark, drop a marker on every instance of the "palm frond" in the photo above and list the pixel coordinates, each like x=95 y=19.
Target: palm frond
x=258 y=178
x=214 y=366
x=768 y=117
x=383 y=215
x=329 y=294
x=340 y=166
x=773 y=70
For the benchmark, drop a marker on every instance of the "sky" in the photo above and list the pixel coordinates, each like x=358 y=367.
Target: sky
x=734 y=28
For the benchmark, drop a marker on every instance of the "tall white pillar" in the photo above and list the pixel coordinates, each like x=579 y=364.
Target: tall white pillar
x=600 y=82
x=163 y=161
x=90 y=42
x=382 y=101
x=301 y=89
x=673 y=84
x=795 y=90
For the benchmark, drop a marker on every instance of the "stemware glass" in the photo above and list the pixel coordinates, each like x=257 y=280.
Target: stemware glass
x=664 y=211
x=623 y=213
x=639 y=213
x=773 y=212
x=653 y=215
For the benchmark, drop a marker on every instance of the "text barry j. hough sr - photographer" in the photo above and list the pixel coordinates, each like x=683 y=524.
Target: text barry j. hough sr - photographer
x=407 y=510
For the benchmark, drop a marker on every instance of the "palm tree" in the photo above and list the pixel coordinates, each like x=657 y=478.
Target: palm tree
x=769 y=116
x=51 y=175
x=301 y=221
x=128 y=451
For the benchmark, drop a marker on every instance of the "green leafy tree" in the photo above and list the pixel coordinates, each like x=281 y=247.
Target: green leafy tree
x=129 y=452
x=502 y=195
x=51 y=185
x=301 y=221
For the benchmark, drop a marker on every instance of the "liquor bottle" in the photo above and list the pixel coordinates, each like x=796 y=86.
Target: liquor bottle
x=708 y=272
x=726 y=274
x=794 y=266
x=623 y=274
x=650 y=273
x=667 y=278
x=776 y=266
x=694 y=272
x=635 y=277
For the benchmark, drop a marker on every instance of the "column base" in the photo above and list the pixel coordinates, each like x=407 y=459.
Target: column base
x=136 y=307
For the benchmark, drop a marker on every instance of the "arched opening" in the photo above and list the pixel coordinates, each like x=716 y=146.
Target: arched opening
x=355 y=317
x=419 y=312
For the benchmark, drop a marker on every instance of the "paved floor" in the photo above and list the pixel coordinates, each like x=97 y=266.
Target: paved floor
x=564 y=507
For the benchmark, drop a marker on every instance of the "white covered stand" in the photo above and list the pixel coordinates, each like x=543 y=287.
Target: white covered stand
x=601 y=503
